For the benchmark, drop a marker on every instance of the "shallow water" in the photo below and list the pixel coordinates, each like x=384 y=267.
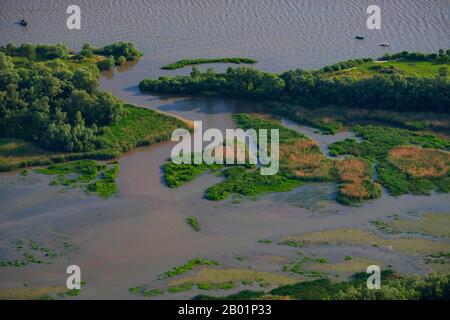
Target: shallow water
x=127 y=240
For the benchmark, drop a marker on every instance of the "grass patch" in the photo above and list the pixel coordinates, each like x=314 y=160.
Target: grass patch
x=138 y=127
x=249 y=183
x=407 y=67
x=190 y=62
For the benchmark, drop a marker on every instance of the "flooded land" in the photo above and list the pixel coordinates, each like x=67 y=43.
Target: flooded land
x=129 y=245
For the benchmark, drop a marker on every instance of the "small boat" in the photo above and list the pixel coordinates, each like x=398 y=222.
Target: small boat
x=359 y=37
x=385 y=44
x=23 y=22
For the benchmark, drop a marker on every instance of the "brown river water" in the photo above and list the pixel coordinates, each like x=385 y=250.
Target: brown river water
x=129 y=239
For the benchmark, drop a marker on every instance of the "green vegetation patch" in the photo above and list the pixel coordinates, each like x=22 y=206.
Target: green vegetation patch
x=190 y=265
x=249 y=183
x=378 y=145
x=193 y=222
x=94 y=178
x=190 y=62
x=144 y=291
x=139 y=127
x=176 y=175
x=300 y=161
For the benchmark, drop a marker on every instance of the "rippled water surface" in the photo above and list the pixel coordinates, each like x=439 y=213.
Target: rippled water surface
x=129 y=239
x=281 y=34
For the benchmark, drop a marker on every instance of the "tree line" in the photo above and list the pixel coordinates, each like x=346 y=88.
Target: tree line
x=388 y=91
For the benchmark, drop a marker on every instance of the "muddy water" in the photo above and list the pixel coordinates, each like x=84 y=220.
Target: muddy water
x=129 y=239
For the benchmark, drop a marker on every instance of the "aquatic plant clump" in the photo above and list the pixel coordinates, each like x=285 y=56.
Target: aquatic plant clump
x=94 y=178
x=190 y=62
x=193 y=222
x=420 y=162
x=190 y=265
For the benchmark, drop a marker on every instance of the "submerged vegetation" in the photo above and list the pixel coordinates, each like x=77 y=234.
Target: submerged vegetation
x=355 y=177
x=190 y=265
x=29 y=251
x=52 y=111
x=93 y=177
x=190 y=62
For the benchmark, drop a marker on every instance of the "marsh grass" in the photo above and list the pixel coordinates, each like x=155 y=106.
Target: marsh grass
x=406 y=161
x=300 y=161
x=420 y=162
